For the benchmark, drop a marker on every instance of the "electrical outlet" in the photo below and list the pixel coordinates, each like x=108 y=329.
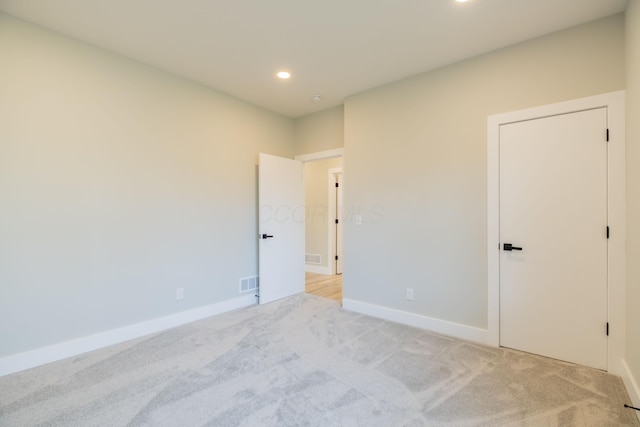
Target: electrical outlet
x=179 y=294
x=410 y=294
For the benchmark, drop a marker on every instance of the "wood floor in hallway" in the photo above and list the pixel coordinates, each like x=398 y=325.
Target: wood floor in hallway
x=324 y=286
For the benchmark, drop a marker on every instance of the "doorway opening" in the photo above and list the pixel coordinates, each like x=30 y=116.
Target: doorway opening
x=323 y=181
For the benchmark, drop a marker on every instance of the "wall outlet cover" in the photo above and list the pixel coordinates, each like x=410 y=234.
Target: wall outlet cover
x=409 y=294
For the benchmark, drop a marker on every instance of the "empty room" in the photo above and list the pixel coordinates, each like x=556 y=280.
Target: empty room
x=455 y=184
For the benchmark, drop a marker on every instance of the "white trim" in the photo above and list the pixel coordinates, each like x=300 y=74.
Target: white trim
x=632 y=385
x=493 y=230
x=614 y=102
x=320 y=155
x=443 y=327
x=318 y=269
x=63 y=350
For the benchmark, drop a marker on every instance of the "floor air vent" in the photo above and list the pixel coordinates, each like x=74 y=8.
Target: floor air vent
x=248 y=284
x=313 y=259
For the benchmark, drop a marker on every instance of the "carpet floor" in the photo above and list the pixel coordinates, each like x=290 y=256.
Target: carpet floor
x=303 y=361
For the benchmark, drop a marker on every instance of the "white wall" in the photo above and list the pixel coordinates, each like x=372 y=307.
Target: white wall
x=118 y=184
x=633 y=191
x=415 y=166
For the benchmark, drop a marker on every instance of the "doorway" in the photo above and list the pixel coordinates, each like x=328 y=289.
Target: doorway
x=323 y=235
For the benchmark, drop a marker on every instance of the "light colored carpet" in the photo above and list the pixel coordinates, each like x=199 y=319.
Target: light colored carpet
x=303 y=361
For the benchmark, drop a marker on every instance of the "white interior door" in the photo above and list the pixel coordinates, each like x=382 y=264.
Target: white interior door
x=553 y=205
x=281 y=227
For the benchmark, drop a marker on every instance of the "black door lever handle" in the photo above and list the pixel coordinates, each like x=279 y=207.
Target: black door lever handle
x=266 y=236
x=510 y=247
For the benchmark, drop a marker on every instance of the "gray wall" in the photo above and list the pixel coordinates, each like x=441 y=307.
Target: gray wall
x=320 y=131
x=415 y=166
x=118 y=184
x=633 y=186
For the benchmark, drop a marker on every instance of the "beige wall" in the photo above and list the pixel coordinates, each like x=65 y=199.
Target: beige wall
x=316 y=177
x=416 y=169
x=118 y=184
x=320 y=131
x=633 y=187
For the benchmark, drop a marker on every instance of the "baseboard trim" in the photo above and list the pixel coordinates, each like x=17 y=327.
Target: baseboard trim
x=632 y=385
x=53 y=353
x=318 y=269
x=443 y=327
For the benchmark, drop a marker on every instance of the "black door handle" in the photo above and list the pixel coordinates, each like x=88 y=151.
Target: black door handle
x=510 y=247
x=266 y=236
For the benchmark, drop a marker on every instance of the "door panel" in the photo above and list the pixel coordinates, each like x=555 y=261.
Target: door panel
x=553 y=204
x=281 y=227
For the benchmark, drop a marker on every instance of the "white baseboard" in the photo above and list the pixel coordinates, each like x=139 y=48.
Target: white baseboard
x=41 y=356
x=443 y=327
x=318 y=269
x=632 y=385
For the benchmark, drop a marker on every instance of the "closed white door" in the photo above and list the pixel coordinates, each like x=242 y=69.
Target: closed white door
x=553 y=213
x=281 y=228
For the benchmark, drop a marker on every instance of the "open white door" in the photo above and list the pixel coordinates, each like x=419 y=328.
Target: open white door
x=281 y=227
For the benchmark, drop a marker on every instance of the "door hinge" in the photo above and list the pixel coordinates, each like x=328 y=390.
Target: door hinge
x=337 y=221
x=607 y=328
x=338 y=185
x=607 y=135
x=607 y=231
x=336 y=257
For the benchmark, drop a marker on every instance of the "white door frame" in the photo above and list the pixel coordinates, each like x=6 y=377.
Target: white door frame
x=323 y=155
x=333 y=208
x=320 y=155
x=614 y=102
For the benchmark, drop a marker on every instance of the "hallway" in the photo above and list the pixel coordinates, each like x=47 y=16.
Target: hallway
x=324 y=286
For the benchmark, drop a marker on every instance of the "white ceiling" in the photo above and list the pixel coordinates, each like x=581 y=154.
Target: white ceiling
x=333 y=48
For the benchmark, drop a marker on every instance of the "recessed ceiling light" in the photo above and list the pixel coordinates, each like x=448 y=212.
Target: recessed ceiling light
x=316 y=98
x=283 y=74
